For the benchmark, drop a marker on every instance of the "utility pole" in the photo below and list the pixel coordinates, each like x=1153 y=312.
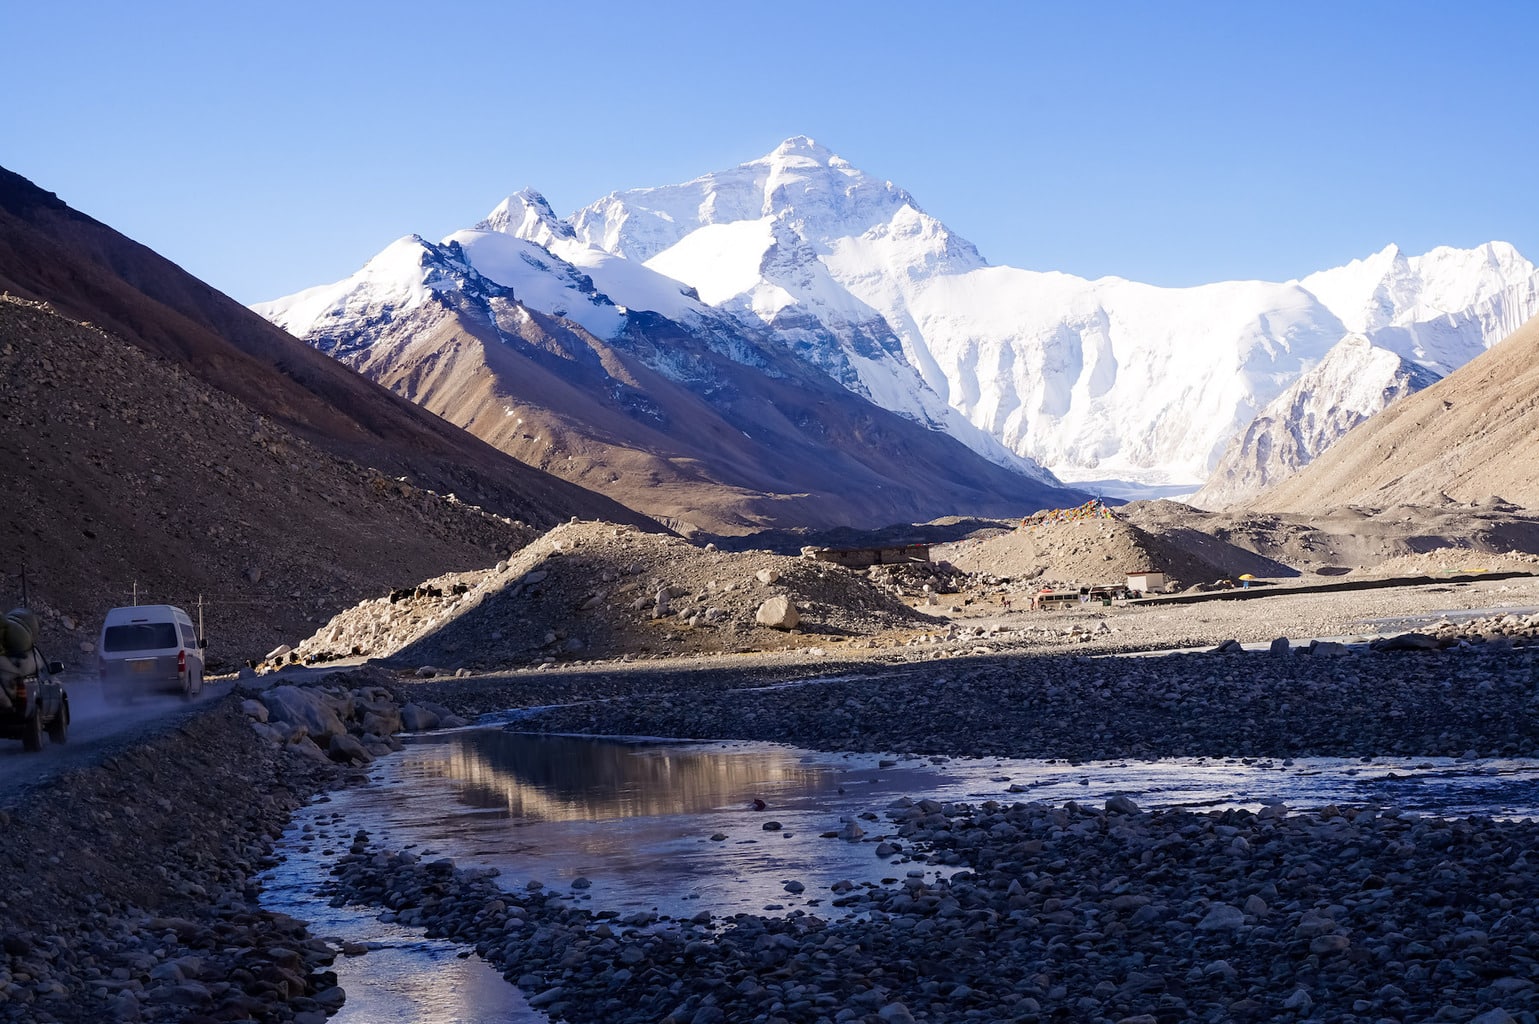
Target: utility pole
x=201 y=634
x=136 y=593
x=26 y=597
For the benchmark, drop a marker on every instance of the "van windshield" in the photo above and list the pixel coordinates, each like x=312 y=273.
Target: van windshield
x=140 y=636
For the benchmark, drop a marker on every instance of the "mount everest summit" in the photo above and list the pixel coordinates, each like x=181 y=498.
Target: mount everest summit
x=1107 y=383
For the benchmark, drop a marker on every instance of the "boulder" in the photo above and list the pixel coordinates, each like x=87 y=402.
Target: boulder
x=416 y=718
x=1222 y=917
x=348 y=750
x=381 y=725
x=306 y=746
x=777 y=613
x=300 y=706
x=1409 y=642
x=1121 y=804
x=380 y=716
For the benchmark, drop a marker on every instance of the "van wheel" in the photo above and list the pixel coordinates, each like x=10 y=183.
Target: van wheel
x=58 y=729
x=196 y=687
x=32 y=733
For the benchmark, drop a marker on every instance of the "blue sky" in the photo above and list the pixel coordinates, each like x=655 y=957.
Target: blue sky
x=268 y=147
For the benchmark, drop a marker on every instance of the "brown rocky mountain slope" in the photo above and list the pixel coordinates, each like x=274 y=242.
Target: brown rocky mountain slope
x=124 y=471
x=1467 y=438
x=704 y=429
x=89 y=272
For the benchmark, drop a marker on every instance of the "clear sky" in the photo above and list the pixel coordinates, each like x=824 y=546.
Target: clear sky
x=267 y=147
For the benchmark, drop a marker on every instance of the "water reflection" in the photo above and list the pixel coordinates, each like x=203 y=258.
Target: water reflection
x=404 y=978
x=570 y=778
x=673 y=826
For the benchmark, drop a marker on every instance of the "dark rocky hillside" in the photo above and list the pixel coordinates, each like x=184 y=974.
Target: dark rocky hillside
x=124 y=470
x=88 y=272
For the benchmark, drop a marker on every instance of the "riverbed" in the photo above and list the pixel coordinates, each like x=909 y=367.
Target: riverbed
x=677 y=828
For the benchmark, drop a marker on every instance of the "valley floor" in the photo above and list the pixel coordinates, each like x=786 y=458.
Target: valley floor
x=1087 y=913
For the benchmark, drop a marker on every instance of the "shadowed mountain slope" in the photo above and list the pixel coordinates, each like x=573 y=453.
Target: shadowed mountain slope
x=89 y=272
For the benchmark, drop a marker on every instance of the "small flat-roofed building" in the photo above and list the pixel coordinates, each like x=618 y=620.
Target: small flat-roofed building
x=1146 y=582
x=859 y=558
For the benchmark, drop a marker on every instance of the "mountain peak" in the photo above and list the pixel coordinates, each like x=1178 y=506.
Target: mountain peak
x=526 y=214
x=802 y=148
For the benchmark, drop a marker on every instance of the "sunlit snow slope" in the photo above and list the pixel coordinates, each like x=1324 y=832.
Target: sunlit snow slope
x=1094 y=379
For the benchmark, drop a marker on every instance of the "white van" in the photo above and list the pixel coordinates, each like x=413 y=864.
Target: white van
x=149 y=648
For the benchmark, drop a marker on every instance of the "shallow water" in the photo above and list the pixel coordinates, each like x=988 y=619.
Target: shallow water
x=404 y=978
x=673 y=826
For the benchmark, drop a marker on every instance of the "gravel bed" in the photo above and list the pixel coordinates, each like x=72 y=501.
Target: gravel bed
x=1068 y=913
x=131 y=890
x=132 y=883
x=1477 y=700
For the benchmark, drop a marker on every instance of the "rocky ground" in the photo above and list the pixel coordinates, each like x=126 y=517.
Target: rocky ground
x=132 y=882
x=594 y=591
x=1349 y=539
x=588 y=593
x=131 y=481
x=1068 y=913
x=1061 y=913
x=131 y=885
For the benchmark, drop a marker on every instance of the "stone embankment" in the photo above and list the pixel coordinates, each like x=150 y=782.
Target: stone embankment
x=131 y=886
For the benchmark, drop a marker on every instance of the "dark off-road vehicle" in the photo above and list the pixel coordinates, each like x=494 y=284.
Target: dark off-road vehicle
x=32 y=698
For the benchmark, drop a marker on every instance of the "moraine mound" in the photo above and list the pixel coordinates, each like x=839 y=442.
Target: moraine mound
x=589 y=590
x=1072 y=548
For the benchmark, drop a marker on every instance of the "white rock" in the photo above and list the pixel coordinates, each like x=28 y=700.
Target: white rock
x=778 y=613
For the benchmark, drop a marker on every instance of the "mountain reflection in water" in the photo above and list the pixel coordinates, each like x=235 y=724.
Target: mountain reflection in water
x=571 y=778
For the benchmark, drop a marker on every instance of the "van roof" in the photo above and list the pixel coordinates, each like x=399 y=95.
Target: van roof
x=147 y=613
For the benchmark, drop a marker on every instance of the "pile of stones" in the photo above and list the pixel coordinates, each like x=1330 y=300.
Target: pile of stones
x=591 y=591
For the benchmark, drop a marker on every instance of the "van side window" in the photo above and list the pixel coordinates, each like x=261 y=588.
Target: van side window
x=188 y=639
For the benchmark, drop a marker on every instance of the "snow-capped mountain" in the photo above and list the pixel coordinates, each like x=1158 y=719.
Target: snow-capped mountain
x=605 y=372
x=1093 y=379
x=1356 y=379
x=801 y=253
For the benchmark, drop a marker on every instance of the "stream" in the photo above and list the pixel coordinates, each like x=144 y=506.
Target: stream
x=677 y=827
